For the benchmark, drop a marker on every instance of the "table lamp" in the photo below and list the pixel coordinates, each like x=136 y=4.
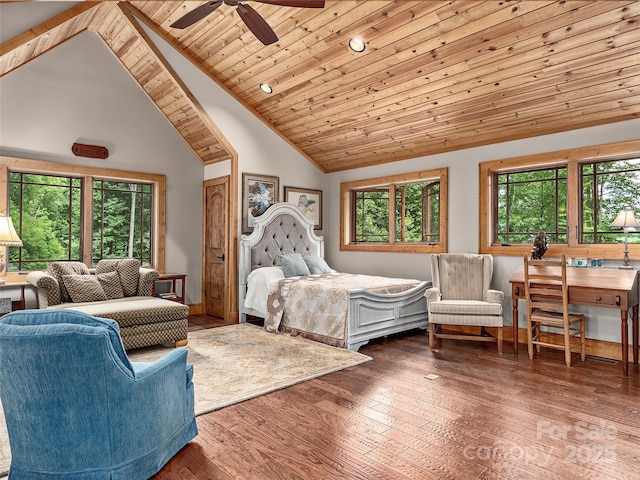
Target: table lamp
x=8 y=238
x=626 y=219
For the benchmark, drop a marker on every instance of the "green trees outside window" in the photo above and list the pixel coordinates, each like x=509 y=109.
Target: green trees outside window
x=536 y=200
x=607 y=187
x=122 y=220
x=371 y=219
x=416 y=213
x=49 y=213
x=531 y=202
x=45 y=210
x=403 y=213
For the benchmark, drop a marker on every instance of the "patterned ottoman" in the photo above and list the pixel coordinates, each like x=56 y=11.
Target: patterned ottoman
x=143 y=321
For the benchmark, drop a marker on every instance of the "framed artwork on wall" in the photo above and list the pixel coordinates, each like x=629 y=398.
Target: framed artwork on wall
x=259 y=192
x=310 y=201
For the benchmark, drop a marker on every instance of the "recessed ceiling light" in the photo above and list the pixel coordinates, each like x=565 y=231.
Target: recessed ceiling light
x=266 y=88
x=357 y=45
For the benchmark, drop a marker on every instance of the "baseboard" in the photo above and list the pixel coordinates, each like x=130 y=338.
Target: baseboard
x=594 y=347
x=196 y=309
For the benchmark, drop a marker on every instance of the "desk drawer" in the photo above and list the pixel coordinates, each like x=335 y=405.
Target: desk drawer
x=594 y=298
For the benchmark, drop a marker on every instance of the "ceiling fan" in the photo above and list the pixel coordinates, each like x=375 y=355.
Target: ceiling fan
x=254 y=21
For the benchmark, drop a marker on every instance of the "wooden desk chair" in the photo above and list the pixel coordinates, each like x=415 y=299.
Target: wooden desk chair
x=547 y=296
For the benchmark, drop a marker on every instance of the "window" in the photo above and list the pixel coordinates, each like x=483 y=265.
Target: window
x=529 y=202
x=45 y=210
x=65 y=212
x=122 y=220
x=573 y=196
x=404 y=213
x=606 y=188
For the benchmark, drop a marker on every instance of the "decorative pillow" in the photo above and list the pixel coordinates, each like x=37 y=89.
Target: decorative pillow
x=293 y=265
x=111 y=285
x=265 y=275
x=83 y=288
x=59 y=269
x=316 y=264
x=128 y=269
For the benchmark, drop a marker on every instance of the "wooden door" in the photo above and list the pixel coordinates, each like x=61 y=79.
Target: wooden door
x=215 y=245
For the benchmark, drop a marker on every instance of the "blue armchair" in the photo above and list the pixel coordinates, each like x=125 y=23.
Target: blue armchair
x=76 y=408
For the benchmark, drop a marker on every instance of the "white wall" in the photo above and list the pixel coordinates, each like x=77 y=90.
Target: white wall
x=79 y=92
x=463 y=212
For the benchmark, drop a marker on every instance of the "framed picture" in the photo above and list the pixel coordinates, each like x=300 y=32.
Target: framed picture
x=259 y=192
x=310 y=201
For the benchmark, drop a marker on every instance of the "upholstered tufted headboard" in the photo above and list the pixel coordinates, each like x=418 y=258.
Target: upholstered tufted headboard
x=282 y=229
x=285 y=234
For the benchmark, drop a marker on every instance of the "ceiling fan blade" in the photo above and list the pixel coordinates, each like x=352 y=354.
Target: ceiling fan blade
x=295 y=3
x=195 y=15
x=258 y=25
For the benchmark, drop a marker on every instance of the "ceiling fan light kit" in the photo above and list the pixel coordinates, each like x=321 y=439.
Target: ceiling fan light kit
x=252 y=19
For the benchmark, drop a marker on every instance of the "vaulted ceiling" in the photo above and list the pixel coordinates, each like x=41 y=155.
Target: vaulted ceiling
x=435 y=76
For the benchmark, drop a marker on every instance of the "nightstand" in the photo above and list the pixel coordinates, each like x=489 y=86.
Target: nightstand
x=176 y=291
x=15 y=304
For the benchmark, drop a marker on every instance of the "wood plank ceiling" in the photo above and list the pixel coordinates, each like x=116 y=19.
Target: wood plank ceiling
x=436 y=76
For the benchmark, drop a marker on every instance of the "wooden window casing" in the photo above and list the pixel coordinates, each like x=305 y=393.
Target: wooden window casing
x=88 y=174
x=572 y=159
x=347 y=212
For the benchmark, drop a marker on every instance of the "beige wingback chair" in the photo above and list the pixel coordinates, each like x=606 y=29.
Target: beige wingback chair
x=461 y=296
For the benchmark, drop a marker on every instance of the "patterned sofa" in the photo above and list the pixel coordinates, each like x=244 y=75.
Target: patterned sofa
x=117 y=289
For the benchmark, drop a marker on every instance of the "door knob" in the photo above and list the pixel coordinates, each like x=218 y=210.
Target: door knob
x=221 y=257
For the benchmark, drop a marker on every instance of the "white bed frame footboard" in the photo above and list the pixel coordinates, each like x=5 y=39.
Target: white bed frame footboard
x=370 y=315
x=373 y=315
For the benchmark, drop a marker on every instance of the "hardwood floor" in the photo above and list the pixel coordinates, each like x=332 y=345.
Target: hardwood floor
x=486 y=416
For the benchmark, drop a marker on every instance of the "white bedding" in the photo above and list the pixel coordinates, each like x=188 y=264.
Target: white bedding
x=259 y=284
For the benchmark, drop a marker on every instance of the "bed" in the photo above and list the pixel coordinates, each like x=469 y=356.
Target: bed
x=374 y=306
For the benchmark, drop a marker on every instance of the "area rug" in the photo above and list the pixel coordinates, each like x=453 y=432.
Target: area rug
x=238 y=362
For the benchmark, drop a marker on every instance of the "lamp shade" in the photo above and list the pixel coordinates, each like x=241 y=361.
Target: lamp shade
x=8 y=235
x=626 y=219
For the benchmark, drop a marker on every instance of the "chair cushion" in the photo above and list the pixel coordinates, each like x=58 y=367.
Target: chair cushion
x=58 y=269
x=465 y=307
x=84 y=288
x=468 y=320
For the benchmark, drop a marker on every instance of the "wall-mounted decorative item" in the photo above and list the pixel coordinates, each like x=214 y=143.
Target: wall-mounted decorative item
x=597 y=262
x=259 y=192
x=90 y=151
x=310 y=201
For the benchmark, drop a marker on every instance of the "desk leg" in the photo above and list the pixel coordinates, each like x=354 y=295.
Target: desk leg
x=514 y=315
x=624 y=334
x=514 y=328
x=635 y=333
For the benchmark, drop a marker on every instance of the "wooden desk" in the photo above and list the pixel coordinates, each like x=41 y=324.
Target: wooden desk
x=594 y=287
